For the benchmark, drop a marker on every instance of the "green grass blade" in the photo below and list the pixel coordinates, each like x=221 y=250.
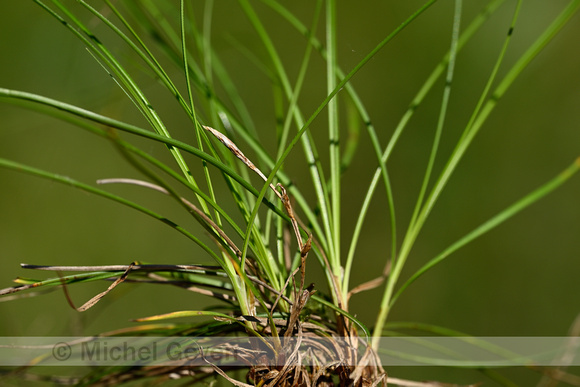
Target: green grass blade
x=121 y=75
x=465 y=141
x=329 y=97
x=196 y=124
x=492 y=223
x=186 y=313
x=506 y=82
x=283 y=138
x=345 y=314
x=144 y=53
x=442 y=331
x=442 y=113
x=198 y=313
x=127 y=147
x=15 y=96
x=308 y=146
x=384 y=156
x=69 y=279
x=85 y=187
x=229 y=119
x=333 y=135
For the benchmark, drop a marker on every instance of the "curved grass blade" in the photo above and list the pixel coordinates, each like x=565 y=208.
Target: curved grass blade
x=14 y=95
x=127 y=147
x=333 y=139
x=187 y=313
x=316 y=172
x=120 y=74
x=27 y=283
x=412 y=232
x=210 y=226
x=85 y=187
x=145 y=53
x=466 y=35
x=345 y=314
x=197 y=313
x=228 y=118
x=497 y=220
x=329 y=97
x=444 y=105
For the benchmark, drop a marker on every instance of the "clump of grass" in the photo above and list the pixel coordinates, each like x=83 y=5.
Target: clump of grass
x=262 y=257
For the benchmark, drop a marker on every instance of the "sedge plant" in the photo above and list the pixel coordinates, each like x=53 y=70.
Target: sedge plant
x=264 y=237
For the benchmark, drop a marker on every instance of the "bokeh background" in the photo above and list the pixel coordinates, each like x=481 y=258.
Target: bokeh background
x=521 y=279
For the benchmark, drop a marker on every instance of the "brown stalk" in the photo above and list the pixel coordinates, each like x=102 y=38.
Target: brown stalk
x=238 y=153
x=90 y=303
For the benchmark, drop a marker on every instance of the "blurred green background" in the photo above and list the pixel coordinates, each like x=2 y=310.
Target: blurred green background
x=521 y=279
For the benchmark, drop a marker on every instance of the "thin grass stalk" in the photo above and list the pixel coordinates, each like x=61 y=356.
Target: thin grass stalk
x=85 y=187
x=492 y=223
x=459 y=151
x=145 y=54
x=442 y=112
x=309 y=147
x=419 y=216
x=466 y=35
x=334 y=138
x=329 y=97
x=245 y=303
x=263 y=256
x=232 y=123
x=492 y=78
x=372 y=133
x=193 y=114
x=127 y=147
x=285 y=130
x=122 y=76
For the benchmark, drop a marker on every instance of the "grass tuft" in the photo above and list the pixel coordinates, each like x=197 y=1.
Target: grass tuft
x=273 y=225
